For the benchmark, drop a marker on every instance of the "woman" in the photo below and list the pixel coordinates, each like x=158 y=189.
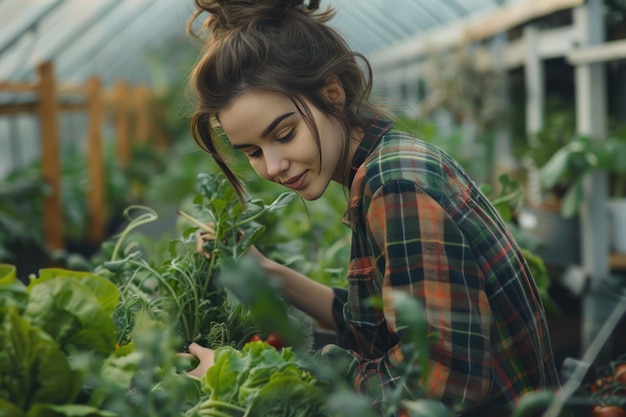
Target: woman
x=285 y=89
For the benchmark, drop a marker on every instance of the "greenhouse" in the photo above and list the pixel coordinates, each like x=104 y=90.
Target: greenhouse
x=328 y=208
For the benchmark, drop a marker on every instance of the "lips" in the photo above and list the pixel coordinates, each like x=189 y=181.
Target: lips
x=295 y=183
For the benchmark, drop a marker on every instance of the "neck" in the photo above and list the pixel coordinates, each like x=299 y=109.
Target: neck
x=342 y=173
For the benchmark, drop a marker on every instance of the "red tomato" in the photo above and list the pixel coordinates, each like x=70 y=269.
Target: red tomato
x=600 y=383
x=274 y=340
x=255 y=338
x=608 y=411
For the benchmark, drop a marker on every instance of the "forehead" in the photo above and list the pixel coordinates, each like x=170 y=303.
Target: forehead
x=251 y=113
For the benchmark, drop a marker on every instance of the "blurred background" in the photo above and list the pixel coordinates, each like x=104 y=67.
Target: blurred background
x=528 y=95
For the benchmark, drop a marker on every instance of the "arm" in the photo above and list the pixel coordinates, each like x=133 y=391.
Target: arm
x=426 y=254
x=307 y=295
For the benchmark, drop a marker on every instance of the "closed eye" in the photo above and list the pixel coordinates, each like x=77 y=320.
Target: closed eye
x=283 y=139
x=256 y=154
x=288 y=136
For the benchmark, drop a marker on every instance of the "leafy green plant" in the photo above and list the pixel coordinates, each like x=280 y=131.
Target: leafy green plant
x=21 y=196
x=567 y=170
x=259 y=380
x=571 y=165
x=183 y=288
x=58 y=314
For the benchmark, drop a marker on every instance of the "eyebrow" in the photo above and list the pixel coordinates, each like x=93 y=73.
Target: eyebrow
x=268 y=129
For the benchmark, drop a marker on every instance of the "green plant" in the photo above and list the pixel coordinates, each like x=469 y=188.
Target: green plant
x=567 y=170
x=21 y=196
x=571 y=165
x=259 y=380
x=615 y=157
x=182 y=288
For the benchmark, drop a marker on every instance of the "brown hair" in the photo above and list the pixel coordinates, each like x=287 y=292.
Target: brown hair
x=281 y=46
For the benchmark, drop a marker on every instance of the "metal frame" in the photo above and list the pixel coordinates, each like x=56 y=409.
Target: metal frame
x=98 y=42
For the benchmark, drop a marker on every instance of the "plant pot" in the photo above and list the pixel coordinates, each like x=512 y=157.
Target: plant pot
x=617 y=225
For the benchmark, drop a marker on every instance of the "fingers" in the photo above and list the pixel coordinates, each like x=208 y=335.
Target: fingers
x=196 y=350
x=200 y=245
x=205 y=356
x=203 y=235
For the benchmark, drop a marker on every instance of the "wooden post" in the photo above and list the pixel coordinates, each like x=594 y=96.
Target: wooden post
x=122 y=123
x=95 y=160
x=142 y=112
x=53 y=222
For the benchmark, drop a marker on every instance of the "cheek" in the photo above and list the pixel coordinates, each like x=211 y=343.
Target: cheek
x=259 y=167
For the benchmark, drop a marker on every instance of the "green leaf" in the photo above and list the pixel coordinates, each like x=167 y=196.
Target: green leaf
x=10 y=410
x=12 y=291
x=34 y=369
x=8 y=274
x=281 y=201
x=287 y=396
x=573 y=198
x=71 y=313
x=105 y=291
x=68 y=410
x=260 y=293
x=555 y=169
x=252 y=233
x=222 y=379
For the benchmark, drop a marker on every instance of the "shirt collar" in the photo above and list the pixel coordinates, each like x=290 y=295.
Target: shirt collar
x=372 y=136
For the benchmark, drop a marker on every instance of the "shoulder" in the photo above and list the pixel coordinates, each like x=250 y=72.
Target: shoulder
x=402 y=157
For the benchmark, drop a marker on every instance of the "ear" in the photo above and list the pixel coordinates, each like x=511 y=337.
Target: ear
x=333 y=91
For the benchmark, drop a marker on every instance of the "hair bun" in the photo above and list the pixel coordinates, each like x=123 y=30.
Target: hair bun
x=226 y=15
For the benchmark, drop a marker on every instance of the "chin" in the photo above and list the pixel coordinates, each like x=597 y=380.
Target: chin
x=310 y=197
x=312 y=194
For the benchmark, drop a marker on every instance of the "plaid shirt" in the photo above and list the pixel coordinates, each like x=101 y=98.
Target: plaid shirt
x=420 y=225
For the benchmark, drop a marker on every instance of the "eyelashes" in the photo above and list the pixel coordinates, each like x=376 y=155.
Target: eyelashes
x=284 y=139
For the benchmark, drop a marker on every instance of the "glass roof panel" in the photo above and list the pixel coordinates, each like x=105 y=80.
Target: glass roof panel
x=109 y=37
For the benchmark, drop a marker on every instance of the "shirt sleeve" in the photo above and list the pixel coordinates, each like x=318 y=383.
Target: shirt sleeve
x=425 y=254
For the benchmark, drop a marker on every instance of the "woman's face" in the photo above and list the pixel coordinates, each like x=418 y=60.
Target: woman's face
x=280 y=146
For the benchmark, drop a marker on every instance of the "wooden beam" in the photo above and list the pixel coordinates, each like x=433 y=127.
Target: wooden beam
x=472 y=29
x=608 y=51
x=73 y=106
x=516 y=14
x=50 y=163
x=95 y=160
x=33 y=107
x=19 y=108
x=122 y=123
x=13 y=87
x=72 y=89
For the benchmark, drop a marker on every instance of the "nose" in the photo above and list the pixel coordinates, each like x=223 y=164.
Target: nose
x=275 y=163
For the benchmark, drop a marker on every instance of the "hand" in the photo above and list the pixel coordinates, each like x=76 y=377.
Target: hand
x=206 y=234
x=206 y=357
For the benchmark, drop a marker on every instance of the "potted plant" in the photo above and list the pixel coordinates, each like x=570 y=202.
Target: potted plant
x=570 y=166
x=541 y=216
x=564 y=173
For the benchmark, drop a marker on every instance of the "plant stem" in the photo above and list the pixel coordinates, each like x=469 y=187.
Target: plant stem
x=148 y=217
x=198 y=223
